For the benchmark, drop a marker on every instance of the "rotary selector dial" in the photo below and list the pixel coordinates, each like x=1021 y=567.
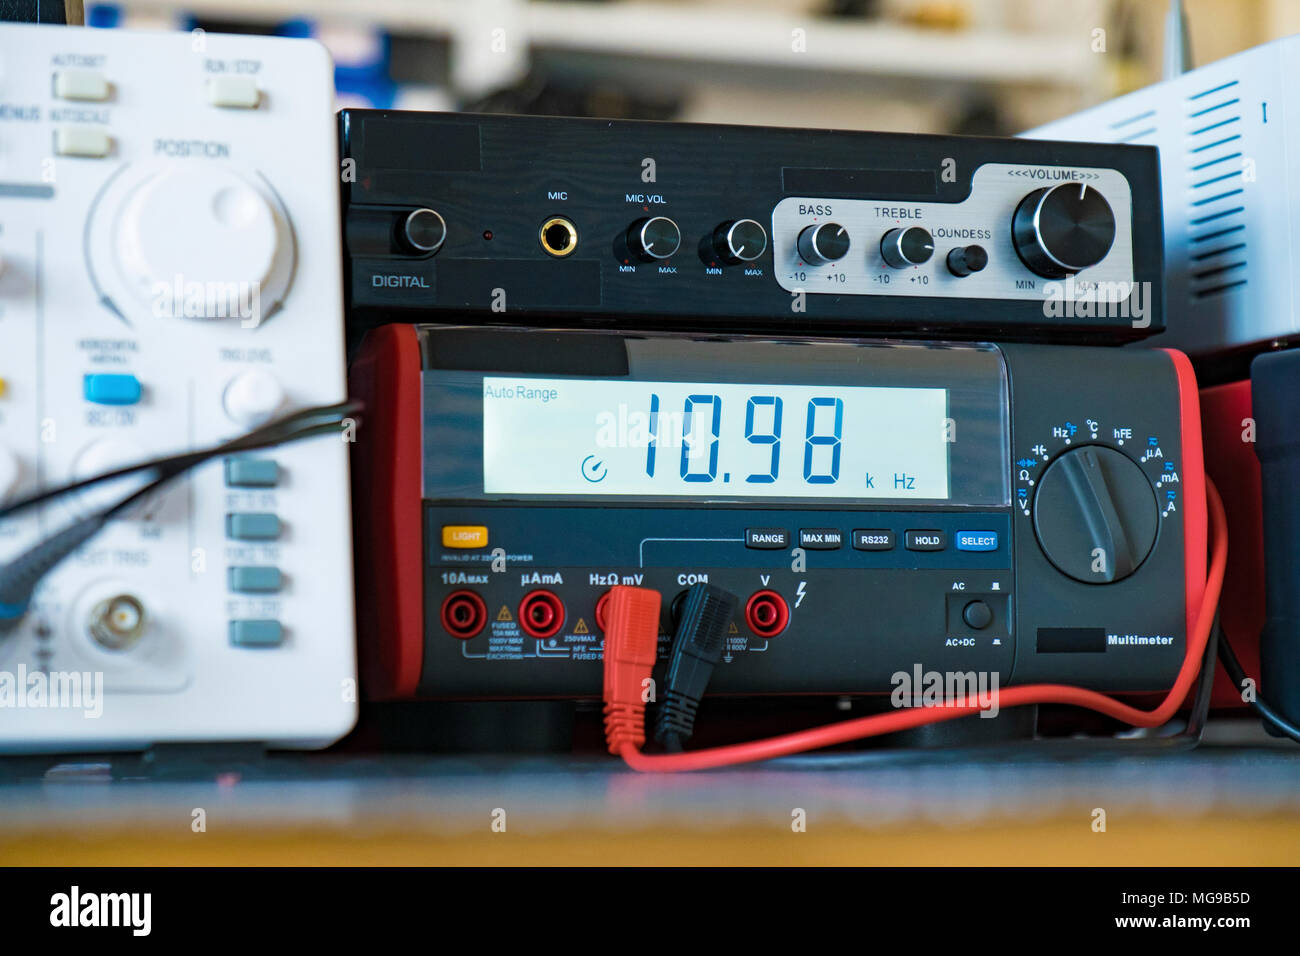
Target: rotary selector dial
x=190 y=240
x=740 y=240
x=823 y=243
x=912 y=246
x=1061 y=230
x=1095 y=514
x=655 y=238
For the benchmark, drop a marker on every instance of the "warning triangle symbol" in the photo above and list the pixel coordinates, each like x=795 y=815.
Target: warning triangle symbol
x=504 y=614
x=733 y=629
x=581 y=627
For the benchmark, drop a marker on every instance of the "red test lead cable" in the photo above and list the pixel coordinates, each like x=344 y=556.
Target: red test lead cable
x=629 y=663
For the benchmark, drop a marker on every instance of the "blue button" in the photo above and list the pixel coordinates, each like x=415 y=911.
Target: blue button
x=977 y=540
x=252 y=526
x=247 y=579
x=252 y=473
x=105 y=388
x=256 y=633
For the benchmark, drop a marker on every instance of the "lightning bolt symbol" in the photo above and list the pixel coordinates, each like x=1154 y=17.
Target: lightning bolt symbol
x=799 y=594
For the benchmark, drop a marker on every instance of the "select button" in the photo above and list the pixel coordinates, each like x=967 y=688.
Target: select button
x=771 y=538
x=926 y=540
x=977 y=540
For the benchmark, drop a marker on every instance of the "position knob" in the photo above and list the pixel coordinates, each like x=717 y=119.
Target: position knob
x=823 y=243
x=1061 y=230
x=1095 y=514
x=195 y=241
x=740 y=240
x=423 y=231
x=655 y=238
x=966 y=260
x=907 y=247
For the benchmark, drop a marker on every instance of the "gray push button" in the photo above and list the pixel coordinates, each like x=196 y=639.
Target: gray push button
x=873 y=539
x=767 y=538
x=925 y=540
x=821 y=539
x=252 y=473
x=256 y=633
x=254 y=580
x=253 y=526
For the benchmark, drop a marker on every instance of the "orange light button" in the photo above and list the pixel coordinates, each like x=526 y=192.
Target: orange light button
x=464 y=536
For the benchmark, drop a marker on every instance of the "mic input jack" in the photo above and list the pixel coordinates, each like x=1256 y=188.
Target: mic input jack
x=558 y=236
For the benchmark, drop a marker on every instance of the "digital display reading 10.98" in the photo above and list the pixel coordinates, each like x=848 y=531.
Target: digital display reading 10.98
x=593 y=437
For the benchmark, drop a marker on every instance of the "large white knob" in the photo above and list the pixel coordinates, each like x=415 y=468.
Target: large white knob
x=252 y=397
x=192 y=240
x=10 y=470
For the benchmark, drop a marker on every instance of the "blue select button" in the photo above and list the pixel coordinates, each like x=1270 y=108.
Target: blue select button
x=105 y=388
x=977 y=540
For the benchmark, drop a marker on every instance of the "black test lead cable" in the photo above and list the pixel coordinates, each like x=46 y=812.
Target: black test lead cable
x=20 y=576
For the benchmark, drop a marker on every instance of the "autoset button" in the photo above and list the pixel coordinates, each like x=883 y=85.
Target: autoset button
x=925 y=540
x=821 y=539
x=873 y=539
x=464 y=536
x=767 y=538
x=977 y=540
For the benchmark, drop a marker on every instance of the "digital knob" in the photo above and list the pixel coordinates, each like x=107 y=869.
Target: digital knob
x=823 y=243
x=423 y=231
x=907 y=247
x=741 y=240
x=655 y=238
x=1061 y=230
x=1095 y=514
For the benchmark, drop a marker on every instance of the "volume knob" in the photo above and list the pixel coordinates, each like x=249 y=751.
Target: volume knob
x=1061 y=230
x=1095 y=514
x=823 y=243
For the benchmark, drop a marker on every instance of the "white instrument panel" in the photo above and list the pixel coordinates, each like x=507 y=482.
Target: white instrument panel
x=171 y=278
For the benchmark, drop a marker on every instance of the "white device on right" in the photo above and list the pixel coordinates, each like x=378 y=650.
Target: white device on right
x=1228 y=135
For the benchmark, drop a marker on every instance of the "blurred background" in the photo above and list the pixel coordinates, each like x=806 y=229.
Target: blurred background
x=966 y=66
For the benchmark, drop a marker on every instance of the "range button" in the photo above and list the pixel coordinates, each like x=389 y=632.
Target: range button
x=821 y=539
x=771 y=538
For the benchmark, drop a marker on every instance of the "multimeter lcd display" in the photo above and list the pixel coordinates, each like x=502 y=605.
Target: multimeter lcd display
x=638 y=438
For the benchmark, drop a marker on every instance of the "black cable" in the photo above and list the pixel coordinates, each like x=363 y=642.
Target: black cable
x=706 y=613
x=303 y=424
x=20 y=576
x=1238 y=675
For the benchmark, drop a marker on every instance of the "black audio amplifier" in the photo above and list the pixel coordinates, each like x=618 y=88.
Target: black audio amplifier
x=1031 y=511
x=524 y=220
